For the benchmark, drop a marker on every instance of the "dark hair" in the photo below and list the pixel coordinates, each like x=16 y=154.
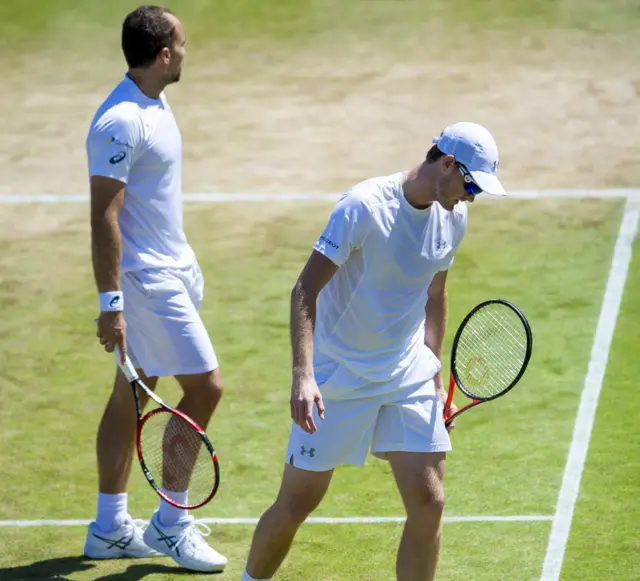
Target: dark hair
x=145 y=32
x=434 y=154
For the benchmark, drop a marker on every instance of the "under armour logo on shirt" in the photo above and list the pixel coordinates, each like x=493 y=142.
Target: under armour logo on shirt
x=310 y=451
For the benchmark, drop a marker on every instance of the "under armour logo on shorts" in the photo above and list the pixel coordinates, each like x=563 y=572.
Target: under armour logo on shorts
x=310 y=451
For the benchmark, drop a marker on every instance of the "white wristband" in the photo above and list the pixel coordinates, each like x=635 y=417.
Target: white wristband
x=111 y=301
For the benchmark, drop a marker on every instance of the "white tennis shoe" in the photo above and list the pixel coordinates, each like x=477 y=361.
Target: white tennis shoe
x=125 y=541
x=184 y=543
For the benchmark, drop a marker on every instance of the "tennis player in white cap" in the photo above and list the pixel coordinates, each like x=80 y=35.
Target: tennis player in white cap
x=368 y=315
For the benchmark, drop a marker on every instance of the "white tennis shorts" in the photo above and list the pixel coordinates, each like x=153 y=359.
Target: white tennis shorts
x=165 y=334
x=405 y=415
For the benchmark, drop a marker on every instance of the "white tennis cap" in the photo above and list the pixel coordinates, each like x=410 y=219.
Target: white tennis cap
x=474 y=147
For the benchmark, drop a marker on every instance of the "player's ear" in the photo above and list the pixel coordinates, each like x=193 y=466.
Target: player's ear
x=165 y=55
x=447 y=163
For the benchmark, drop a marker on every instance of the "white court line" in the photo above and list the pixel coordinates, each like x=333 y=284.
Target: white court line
x=527 y=194
x=312 y=520
x=592 y=386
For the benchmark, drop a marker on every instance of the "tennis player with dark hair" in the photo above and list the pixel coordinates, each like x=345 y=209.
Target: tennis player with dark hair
x=150 y=285
x=368 y=317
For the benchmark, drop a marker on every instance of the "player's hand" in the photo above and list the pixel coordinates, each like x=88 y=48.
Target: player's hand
x=112 y=331
x=304 y=395
x=452 y=410
x=440 y=391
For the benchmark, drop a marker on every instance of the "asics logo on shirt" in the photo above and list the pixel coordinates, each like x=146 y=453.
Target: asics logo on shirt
x=117 y=158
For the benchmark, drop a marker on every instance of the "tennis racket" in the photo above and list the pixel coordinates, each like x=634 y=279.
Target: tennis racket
x=490 y=353
x=174 y=452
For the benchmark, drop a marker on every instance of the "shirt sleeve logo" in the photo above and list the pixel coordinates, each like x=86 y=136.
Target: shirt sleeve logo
x=117 y=141
x=329 y=242
x=117 y=158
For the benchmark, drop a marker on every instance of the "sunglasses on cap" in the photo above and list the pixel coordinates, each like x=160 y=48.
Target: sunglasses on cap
x=471 y=187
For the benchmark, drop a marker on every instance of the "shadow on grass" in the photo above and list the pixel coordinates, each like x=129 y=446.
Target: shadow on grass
x=58 y=569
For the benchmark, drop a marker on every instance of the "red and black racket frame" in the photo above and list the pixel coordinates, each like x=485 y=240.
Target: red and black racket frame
x=455 y=380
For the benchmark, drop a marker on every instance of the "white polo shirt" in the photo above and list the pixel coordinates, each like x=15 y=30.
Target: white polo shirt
x=136 y=140
x=370 y=317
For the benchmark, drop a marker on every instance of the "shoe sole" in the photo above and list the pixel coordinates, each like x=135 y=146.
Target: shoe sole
x=97 y=557
x=213 y=569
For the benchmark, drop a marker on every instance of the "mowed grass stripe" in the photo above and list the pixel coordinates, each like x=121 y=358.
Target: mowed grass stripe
x=30 y=22
x=604 y=542
x=590 y=394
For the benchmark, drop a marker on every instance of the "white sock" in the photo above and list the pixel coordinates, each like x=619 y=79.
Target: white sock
x=169 y=514
x=247 y=577
x=112 y=511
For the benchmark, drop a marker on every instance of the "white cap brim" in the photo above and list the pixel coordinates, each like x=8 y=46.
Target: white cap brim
x=489 y=183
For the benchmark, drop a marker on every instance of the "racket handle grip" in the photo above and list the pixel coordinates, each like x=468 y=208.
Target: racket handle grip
x=127 y=367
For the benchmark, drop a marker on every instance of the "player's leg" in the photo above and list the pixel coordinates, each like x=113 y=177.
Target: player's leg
x=170 y=339
x=171 y=530
x=201 y=394
x=411 y=435
x=300 y=493
x=117 y=434
x=113 y=534
x=419 y=476
x=343 y=437
x=181 y=347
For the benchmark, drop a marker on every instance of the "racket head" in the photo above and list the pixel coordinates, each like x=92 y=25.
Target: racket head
x=491 y=350
x=175 y=454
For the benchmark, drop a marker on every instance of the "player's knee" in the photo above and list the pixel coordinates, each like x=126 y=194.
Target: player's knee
x=294 y=511
x=215 y=387
x=297 y=512
x=427 y=504
x=206 y=387
x=210 y=392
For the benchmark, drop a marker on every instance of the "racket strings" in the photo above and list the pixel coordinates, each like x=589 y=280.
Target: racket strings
x=491 y=351
x=176 y=456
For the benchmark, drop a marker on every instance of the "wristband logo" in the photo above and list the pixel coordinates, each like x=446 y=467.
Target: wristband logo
x=114 y=302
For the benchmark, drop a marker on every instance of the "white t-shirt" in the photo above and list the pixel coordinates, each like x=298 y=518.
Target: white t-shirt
x=136 y=140
x=370 y=317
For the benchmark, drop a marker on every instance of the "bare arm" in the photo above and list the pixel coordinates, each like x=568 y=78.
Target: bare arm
x=314 y=276
x=107 y=196
x=436 y=313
